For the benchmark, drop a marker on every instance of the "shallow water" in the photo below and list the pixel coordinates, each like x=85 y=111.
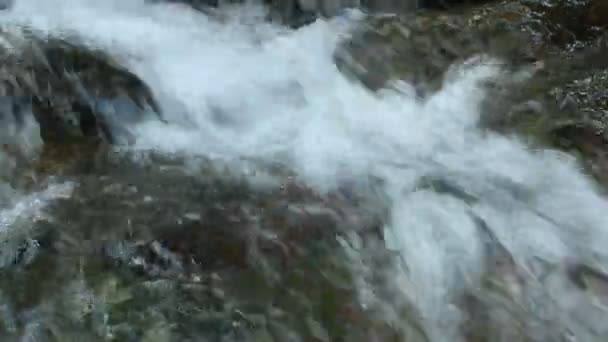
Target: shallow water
x=236 y=86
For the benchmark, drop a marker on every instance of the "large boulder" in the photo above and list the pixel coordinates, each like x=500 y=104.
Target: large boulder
x=75 y=91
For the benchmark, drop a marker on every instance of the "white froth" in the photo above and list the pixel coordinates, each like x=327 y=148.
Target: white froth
x=241 y=87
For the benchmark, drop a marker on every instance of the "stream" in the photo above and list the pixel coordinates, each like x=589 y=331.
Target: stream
x=472 y=221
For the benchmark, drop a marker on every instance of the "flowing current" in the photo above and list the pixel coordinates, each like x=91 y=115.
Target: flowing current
x=236 y=85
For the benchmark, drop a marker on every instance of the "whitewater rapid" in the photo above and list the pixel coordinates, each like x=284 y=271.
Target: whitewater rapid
x=233 y=85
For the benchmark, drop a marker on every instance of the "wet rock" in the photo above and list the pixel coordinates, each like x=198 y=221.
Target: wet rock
x=551 y=52
x=598 y=13
x=6 y=4
x=586 y=136
x=19 y=139
x=587 y=139
x=197 y=4
x=296 y=13
x=328 y=8
x=564 y=105
x=419 y=48
x=589 y=279
x=392 y=6
x=569 y=21
x=74 y=91
x=153 y=249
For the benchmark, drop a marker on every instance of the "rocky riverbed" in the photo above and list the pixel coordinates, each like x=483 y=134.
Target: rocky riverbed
x=389 y=201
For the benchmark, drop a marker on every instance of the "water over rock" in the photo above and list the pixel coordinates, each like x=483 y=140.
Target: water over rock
x=74 y=91
x=157 y=250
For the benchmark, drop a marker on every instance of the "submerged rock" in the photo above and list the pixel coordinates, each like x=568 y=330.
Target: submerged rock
x=159 y=249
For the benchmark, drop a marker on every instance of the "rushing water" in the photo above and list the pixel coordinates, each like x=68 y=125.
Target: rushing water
x=234 y=85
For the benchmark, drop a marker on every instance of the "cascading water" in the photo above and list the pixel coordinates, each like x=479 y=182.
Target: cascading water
x=234 y=86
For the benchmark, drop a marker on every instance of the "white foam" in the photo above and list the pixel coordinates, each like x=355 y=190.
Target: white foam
x=17 y=220
x=238 y=87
